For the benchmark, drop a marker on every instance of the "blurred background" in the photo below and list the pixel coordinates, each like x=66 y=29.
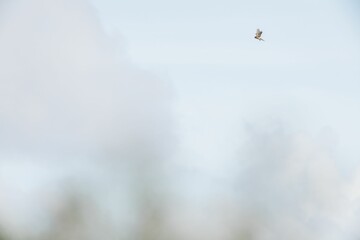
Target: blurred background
x=158 y=120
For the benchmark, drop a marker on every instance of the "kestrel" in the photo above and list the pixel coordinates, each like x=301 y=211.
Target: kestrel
x=258 y=35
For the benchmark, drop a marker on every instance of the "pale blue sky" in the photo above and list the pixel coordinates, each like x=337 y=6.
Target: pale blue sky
x=211 y=32
x=305 y=74
x=304 y=79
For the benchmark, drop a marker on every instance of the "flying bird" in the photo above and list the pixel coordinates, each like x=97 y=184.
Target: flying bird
x=258 y=35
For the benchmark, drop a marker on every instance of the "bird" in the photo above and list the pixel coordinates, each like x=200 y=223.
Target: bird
x=258 y=35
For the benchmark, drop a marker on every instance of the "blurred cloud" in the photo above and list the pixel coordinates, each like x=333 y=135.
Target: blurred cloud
x=73 y=109
x=64 y=88
x=291 y=185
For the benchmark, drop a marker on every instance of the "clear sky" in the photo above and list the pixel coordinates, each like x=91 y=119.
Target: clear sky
x=266 y=131
x=305 y=73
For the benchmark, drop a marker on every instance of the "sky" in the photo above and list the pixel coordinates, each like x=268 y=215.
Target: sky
x=117 y=95
x=308 y=60
x=231 y=91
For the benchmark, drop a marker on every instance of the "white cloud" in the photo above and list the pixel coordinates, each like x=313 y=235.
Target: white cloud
x=70 y=100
